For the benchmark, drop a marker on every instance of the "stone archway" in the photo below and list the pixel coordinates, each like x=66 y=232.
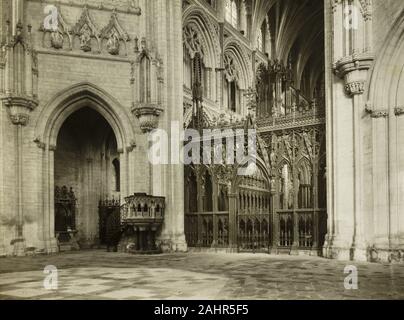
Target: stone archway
x=51 y=122
x=86 y=165
x=386 y=109
x=252 y=206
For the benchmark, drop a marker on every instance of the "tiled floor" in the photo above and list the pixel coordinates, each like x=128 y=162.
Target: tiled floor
x=102 y=275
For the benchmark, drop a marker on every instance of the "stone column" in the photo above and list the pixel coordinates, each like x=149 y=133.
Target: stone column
x=314 y=201
x=221 y=75
x=50 y=239
x=274 y=201
x=380 y=172
x=18 y=71
x=345 y=239
x=249 y=21
x=170 y=50
x=208 y=75
x=396 y=186
x=233 y=221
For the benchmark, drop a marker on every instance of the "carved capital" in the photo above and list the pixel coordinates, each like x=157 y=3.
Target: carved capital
x=376 y=114
x=398 y=111
x=356 y=87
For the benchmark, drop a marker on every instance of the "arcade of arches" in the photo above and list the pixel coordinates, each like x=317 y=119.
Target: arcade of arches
x=281 y=207
x=78 y=103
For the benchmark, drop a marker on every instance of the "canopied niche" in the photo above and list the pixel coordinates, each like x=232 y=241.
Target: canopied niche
x=148 y=70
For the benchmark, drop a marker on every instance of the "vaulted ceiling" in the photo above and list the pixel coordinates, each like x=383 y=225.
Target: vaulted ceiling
x=297 y=32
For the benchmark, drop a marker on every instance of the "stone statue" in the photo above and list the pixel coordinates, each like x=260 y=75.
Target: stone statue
x=57 y=39
x=85 y=38
x=113 y=43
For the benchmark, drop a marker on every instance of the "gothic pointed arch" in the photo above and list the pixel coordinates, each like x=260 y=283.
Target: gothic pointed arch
x=253 y=163
x=71 y=99
x=261 y=9
x=386 y=110
x=207 y=118
x=201 y=33
x=387 y=77
x=241 y=62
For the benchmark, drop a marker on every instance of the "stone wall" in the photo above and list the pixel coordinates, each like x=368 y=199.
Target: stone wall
x=365 y=219
x=60 y=77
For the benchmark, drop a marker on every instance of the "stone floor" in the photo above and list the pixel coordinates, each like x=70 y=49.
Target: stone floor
x=102 y=275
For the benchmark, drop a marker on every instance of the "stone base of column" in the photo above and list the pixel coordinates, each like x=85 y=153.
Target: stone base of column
x=19 y=247
x=359 y=253
x=3 y=252
x=337 y=248
x=232 y=249
x=47 y=247
x=174 y=243
x=52 y=246
x=385 y=254
x=294 y=251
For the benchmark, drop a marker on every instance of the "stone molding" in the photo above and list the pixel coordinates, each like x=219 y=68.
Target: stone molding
x=355 y=62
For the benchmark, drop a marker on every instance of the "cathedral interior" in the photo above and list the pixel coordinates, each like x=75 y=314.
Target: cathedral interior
x=282 y=205
x=84 y=84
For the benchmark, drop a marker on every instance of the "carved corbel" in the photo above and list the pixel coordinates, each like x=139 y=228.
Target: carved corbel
x=354 y=69
x=19 y=108
x=148 y=116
